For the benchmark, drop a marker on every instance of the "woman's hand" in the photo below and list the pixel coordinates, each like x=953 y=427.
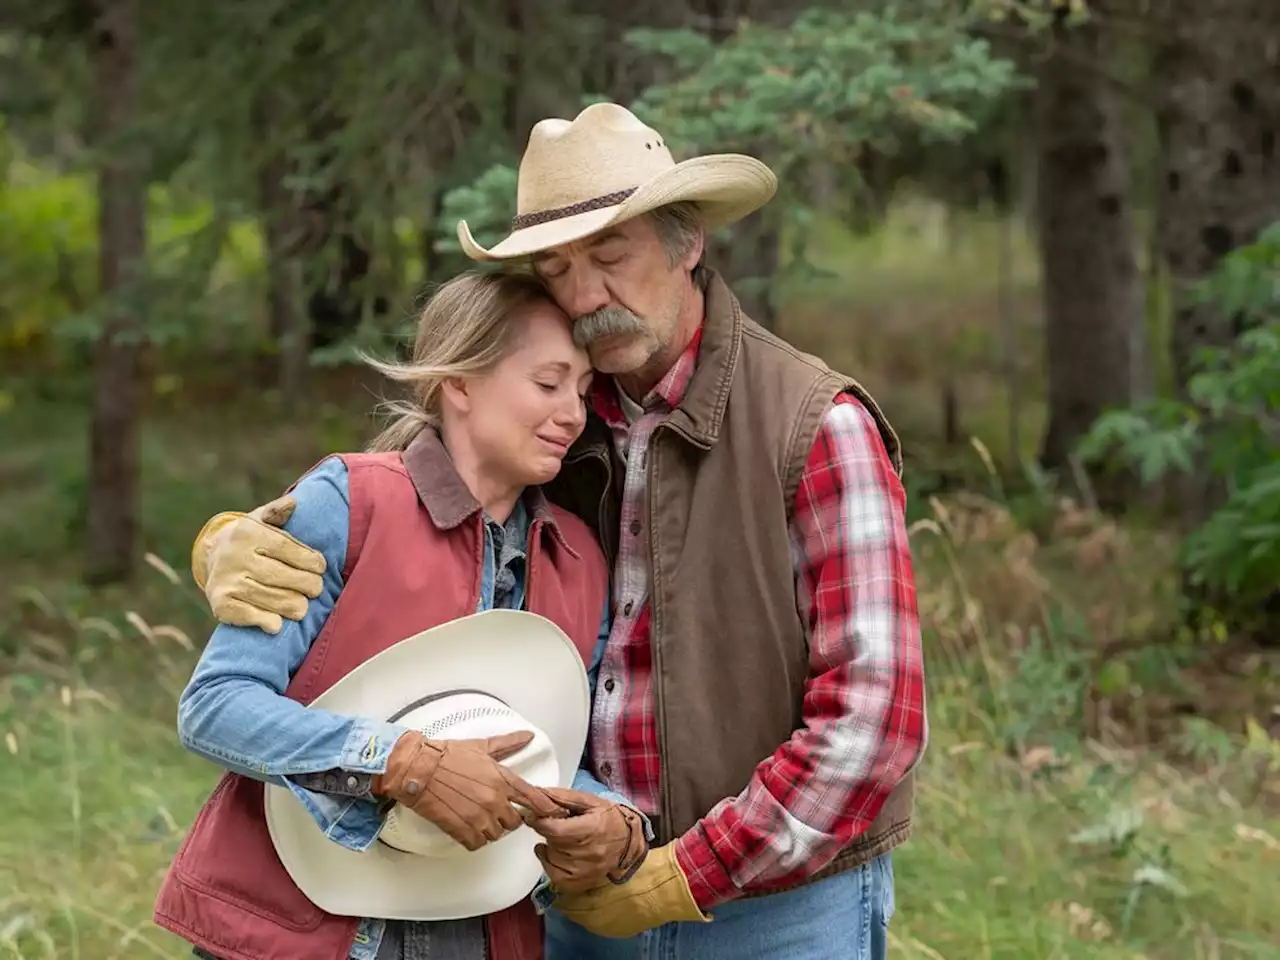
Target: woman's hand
x=461 y=787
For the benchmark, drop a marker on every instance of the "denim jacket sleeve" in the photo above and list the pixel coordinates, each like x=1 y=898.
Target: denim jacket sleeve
x=234 y=712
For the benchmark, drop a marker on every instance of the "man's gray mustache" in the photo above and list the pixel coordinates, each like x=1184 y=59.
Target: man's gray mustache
x=605 y=322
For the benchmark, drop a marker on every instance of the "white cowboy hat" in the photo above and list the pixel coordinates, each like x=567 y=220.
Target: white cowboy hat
x=605 y=166
x=480 y=676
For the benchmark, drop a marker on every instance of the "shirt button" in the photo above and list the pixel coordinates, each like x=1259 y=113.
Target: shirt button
x=609 y=685
x=636 y=528
x=626 y=611
x=606 y=768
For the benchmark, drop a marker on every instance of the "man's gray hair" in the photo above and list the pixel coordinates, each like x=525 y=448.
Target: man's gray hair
x=678 y=226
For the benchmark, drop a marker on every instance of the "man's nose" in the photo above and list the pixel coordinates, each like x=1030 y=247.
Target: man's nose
x=586 y=294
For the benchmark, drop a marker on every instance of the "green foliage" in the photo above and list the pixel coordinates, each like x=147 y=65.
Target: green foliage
x=47 y=250
x=487 y=204
x=360 y=121
x=828 y=85
x=1045 y=696
x=821 y=93
x=821 y=90
x=1229 y=423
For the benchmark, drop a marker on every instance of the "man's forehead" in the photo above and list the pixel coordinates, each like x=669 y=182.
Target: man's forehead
x=617 y=231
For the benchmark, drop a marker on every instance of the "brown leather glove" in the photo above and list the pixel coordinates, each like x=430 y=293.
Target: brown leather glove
x=601 y=842
x=460 y=786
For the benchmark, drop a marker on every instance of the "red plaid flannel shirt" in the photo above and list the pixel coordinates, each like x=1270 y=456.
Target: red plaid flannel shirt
x=864 y=705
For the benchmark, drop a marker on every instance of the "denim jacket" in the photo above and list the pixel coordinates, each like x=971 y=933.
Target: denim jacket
x=234 y=712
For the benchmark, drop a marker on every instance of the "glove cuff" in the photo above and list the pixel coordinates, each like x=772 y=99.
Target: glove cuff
x=202 y=546
x=677 y=901
x=636 y=849
x=413 y=758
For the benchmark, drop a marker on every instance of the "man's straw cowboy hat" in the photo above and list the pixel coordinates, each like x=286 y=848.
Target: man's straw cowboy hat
x=481 y=676
x=605 y=166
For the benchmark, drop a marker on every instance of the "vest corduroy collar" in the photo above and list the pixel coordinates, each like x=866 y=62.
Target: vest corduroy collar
x=448 y=500
x=700 y=416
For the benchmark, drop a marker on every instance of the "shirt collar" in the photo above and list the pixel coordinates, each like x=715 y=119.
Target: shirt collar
x=670 y=390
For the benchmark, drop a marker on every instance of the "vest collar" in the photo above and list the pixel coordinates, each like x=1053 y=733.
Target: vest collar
x=700 y=415
x=446 y=497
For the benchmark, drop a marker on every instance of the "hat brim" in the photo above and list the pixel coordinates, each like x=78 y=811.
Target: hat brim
x=522 y=659
x=726 y=187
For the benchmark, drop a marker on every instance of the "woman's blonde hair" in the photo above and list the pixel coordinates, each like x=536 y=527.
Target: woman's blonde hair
x=464 y=331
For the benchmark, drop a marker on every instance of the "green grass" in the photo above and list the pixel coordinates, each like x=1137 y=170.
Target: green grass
x=105 y=794
x=1031 y=742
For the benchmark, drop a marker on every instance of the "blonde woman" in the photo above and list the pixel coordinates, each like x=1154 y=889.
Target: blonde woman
x=498 y=397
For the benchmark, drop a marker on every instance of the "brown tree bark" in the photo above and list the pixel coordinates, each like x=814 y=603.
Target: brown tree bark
x=111 y=534
x=1092 y=290
x=1219 y=66
x=282 y=229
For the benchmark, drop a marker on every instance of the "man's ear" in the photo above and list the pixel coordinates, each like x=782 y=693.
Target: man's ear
x=696 y=248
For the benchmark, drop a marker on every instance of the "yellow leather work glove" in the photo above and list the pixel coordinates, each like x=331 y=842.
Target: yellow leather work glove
x=251 y=571
x=657 y=894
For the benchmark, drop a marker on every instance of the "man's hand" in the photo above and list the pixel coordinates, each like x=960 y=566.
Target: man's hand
x=602 y=842
x=461 y=787
x=252 y=572
x=657 y=894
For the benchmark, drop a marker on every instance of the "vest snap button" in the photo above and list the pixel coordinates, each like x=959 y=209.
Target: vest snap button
x=636 y=528
x=626 y=611
x=609 y=685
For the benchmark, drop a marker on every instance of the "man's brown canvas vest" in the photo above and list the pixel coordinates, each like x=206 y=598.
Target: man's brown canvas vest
x=729 y=644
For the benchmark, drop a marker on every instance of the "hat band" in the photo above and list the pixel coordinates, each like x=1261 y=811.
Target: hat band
x=526 y=220
x=440 y=696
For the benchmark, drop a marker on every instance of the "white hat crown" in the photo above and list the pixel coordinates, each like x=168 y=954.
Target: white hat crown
x=602 y=156
x=465 y=715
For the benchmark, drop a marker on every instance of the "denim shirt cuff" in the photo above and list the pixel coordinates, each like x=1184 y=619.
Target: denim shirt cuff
x=369 y=745
x=353 y=822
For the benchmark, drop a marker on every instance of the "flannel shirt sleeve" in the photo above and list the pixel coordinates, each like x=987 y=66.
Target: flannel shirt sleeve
x=864 y=716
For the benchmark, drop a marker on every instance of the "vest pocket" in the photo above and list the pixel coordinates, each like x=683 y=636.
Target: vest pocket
x=228 y=856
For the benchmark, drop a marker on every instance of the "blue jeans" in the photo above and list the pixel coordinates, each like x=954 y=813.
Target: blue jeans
x=846 y=916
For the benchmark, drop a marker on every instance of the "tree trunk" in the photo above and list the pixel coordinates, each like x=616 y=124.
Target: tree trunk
x=290 y=325
x=748 y=260
x=111 y=534
x=1218 y=123
x=1093 y=297
x=518 y=109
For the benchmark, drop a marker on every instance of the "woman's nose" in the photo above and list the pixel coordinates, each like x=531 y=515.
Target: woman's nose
x=573 y=414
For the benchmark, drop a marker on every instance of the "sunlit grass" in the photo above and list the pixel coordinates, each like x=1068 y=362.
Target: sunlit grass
x=1001 y=865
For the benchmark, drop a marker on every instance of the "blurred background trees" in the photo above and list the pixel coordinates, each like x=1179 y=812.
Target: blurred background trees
x=1043 y=233
x=267 y=186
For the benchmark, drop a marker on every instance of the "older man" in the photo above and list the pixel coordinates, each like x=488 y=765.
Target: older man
x=761 y=696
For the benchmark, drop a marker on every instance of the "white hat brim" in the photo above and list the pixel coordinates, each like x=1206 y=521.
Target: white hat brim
x=726 y=186
x=522 y=659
